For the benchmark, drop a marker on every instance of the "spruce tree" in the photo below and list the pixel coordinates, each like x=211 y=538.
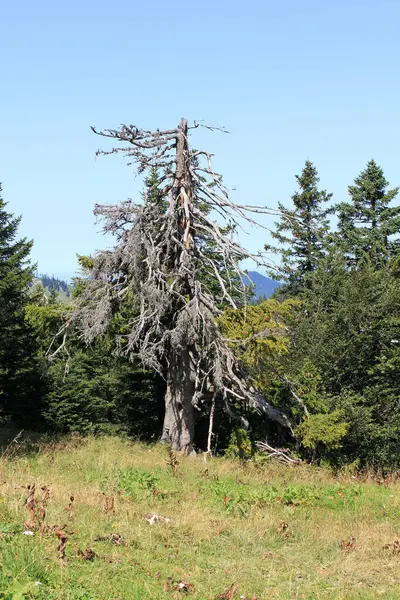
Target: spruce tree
x=153 y=191
x=367 y=223
x=301 y=231
x=18 y=375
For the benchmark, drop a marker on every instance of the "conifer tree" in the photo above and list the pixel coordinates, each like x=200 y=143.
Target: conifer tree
x=301 y=230
x=367 y=223
x=153 y=191
x=18 y=381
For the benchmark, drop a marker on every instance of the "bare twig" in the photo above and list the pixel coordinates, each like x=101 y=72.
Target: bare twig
x=210 y=427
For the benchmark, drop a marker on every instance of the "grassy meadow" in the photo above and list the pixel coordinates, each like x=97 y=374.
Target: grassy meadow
x=109 y=519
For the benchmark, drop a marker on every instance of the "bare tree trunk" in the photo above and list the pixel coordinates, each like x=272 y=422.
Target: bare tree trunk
x=178 y=429
x=210 y=427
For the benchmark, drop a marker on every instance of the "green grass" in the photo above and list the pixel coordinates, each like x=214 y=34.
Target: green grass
x=273 y=532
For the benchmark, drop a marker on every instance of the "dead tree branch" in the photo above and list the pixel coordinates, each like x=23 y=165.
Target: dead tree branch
x=280 y=454
x=162 y=264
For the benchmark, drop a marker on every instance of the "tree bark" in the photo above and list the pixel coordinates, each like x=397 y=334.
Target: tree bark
x=178 y=429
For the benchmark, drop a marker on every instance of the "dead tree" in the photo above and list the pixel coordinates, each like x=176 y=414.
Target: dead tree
x=156 y=266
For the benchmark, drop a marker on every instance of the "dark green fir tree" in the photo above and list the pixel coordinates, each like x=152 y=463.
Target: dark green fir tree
x=367 y=224
x=301 y=231
x=19 y=376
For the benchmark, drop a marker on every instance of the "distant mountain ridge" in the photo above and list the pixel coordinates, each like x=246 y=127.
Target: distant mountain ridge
x=264 y=286
x=49 y=282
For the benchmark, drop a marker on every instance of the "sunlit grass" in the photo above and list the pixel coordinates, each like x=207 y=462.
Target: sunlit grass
x=273 y=532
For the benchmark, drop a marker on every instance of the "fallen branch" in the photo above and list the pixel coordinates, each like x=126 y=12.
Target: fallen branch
x=280 y=454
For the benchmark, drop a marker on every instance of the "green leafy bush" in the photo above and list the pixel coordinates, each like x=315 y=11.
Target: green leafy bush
x=326 y=429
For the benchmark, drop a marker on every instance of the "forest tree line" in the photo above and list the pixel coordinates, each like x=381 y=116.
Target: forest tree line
x=323 y=352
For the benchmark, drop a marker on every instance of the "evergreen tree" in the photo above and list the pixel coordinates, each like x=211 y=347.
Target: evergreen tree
x=301 y=231
x=344 y=358
x=19 y=381
x=88 y=389
x=152 y=190
x=339 y=326
x=367 y=223
x=53 y=296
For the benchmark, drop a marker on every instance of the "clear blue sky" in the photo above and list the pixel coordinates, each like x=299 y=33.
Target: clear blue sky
x=290 y=80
